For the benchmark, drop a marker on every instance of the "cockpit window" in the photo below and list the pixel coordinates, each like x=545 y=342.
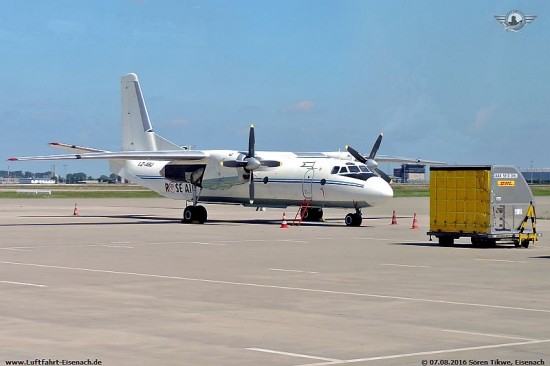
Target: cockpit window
x=343 y=169
x=364 y=168
x=335 y=170
x=353 y=169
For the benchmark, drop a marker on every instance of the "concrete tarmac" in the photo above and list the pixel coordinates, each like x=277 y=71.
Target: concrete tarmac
x=125 y=283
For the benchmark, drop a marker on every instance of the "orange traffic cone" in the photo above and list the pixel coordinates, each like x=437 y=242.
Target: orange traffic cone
x=284 y=224
x=415 y=223
x=393 y=219
x=75 y=211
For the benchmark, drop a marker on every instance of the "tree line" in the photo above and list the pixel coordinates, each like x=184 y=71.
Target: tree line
x=69 y=178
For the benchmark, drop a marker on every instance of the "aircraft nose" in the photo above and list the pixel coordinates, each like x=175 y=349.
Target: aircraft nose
x=377 y=191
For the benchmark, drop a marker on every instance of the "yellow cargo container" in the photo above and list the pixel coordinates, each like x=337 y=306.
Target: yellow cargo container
x=486 y=203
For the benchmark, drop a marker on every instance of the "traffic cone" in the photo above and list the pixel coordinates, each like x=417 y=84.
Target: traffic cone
x=284 y=224
x=393 y=219
x=415 y=223
x=75 y=211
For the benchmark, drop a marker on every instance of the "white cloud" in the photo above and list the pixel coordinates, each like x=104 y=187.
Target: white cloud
x=483 y=118
x=304 y=106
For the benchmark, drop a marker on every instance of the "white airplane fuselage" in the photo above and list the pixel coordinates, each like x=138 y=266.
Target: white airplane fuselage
x=251 y=178
x=297 y=178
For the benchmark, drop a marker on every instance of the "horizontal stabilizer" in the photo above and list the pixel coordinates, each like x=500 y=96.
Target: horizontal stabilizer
x=74 y=148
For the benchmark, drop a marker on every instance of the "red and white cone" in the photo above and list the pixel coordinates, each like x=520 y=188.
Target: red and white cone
x=284 y=225
x=415 y=223
x=394 y=219
x=75 y=211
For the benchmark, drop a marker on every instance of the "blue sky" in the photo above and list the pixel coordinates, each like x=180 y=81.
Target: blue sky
x=441 y=79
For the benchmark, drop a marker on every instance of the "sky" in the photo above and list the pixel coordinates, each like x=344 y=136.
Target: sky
x=441 y=79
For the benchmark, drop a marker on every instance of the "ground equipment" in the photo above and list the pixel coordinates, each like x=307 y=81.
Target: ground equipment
x=489 y=204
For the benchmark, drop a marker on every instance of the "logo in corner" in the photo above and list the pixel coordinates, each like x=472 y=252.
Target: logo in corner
x=514 y=20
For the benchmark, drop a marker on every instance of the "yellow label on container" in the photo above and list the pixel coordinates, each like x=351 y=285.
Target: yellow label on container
x=506 y=183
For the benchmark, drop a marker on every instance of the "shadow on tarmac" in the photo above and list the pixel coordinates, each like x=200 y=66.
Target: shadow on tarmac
x=149 y=219
x=435 y=244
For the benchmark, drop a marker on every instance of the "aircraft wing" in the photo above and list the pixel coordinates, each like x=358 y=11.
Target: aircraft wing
x=396 y=159
x=122 y=155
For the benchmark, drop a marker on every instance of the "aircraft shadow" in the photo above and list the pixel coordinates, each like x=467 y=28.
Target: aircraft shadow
x=138 y=219
x=542 y=257
x=156 y=220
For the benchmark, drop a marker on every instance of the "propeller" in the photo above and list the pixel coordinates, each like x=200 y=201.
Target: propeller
x=250 y=163
x=370 y=162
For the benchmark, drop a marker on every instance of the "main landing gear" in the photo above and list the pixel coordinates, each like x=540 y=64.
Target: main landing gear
x=354 y=219
x=194 y=214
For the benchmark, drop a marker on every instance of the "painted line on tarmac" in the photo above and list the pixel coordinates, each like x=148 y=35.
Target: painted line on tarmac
x=402 y=265
x=301 y=289
x=291 y=270
x=293 y=241
x=499 y=260
x=294 y=354
x=392 y=239
x=487 y=335
x=23 y=284
x=29 y=248
x=204 y=243
x=429 y=353
x=117 y=246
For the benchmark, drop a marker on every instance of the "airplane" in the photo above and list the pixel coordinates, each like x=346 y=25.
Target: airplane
x=311 y=181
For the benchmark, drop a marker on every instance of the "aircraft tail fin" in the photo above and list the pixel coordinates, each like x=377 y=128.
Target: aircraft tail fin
x=137 y=131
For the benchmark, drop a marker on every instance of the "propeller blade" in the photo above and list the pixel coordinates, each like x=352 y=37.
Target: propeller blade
x=233 y=163
x=270 y=163
x=251 y=142
x=383 y=175
x=376 y=146
x=251 y=188
x=356 y=154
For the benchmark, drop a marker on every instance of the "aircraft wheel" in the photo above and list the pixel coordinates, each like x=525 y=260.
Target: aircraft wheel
x=188 y=214
x=196 y=214
x=201 y=214
x=353 y=219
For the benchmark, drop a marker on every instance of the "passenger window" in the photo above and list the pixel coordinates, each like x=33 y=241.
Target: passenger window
x=335 y=170
x=343 y=169
x=353 y=169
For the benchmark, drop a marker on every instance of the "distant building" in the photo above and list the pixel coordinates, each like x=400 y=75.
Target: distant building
x=410 y=173
x=35 y=181
x=537 y=175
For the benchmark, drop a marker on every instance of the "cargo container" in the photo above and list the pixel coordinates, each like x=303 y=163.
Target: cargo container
x=489 y=204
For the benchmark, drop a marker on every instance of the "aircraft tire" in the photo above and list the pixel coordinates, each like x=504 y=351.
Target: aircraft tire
x=188 y=214
x=201 y=214
x=353 y=219
x=194 y=214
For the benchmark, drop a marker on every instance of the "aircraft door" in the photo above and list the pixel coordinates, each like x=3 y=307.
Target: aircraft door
x=307 y=183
